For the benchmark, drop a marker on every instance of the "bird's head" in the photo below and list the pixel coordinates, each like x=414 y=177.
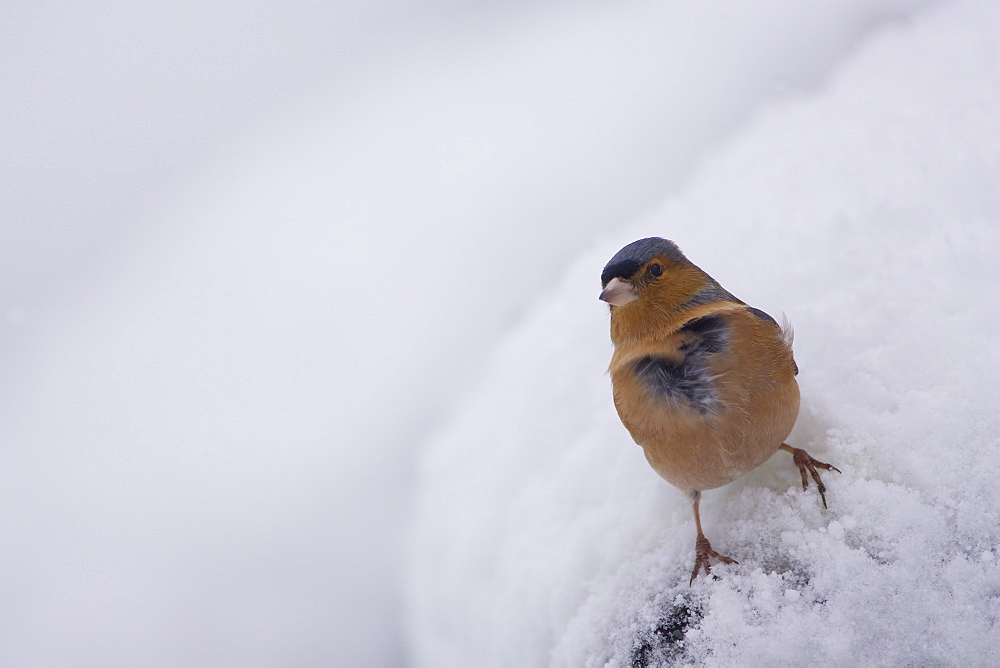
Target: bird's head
x=651 y=268
x=650 y=282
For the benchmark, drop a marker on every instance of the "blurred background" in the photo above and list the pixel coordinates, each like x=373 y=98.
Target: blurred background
x=251 y=252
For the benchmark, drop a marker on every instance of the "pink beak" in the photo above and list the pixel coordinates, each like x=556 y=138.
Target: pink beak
x=619 y=292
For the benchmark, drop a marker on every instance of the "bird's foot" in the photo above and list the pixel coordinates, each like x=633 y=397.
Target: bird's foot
x=808 y=465
x=702 y=552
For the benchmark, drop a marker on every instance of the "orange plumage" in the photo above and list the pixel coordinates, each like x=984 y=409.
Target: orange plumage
x=703 y=382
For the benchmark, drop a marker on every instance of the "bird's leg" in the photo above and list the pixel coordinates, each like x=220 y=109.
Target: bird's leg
x=702 y=548
x=806 y=464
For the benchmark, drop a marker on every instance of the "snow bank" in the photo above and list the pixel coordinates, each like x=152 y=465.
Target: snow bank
x=870 y=215
x=237 y=243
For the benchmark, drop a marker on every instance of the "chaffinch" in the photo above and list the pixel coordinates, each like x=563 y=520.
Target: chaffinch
x=703 y=382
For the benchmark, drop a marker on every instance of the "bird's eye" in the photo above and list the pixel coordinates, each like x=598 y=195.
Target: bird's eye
x=655 y=269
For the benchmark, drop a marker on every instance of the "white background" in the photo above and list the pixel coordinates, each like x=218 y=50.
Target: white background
x=253 y=256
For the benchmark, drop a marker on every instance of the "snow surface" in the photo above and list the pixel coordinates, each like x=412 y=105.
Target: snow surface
x=869 y=214
x=253 y=254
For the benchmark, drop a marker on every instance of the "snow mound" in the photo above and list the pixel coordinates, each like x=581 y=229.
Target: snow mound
x=870 y=215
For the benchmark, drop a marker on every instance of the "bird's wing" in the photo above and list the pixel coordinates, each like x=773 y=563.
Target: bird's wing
x=686 y=367
x=714 y=360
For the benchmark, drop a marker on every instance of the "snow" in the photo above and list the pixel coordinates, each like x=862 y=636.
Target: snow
x=869 y=214
x=260 y=264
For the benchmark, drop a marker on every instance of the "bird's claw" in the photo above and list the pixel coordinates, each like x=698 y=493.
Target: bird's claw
x=807 y=464
x=702 y=552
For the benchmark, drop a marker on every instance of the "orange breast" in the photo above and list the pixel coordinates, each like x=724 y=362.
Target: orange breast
x=702 y=426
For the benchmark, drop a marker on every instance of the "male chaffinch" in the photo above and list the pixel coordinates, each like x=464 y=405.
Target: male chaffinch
x=703 y=382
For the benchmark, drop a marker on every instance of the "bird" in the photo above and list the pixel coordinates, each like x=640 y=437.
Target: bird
x=705 y=383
